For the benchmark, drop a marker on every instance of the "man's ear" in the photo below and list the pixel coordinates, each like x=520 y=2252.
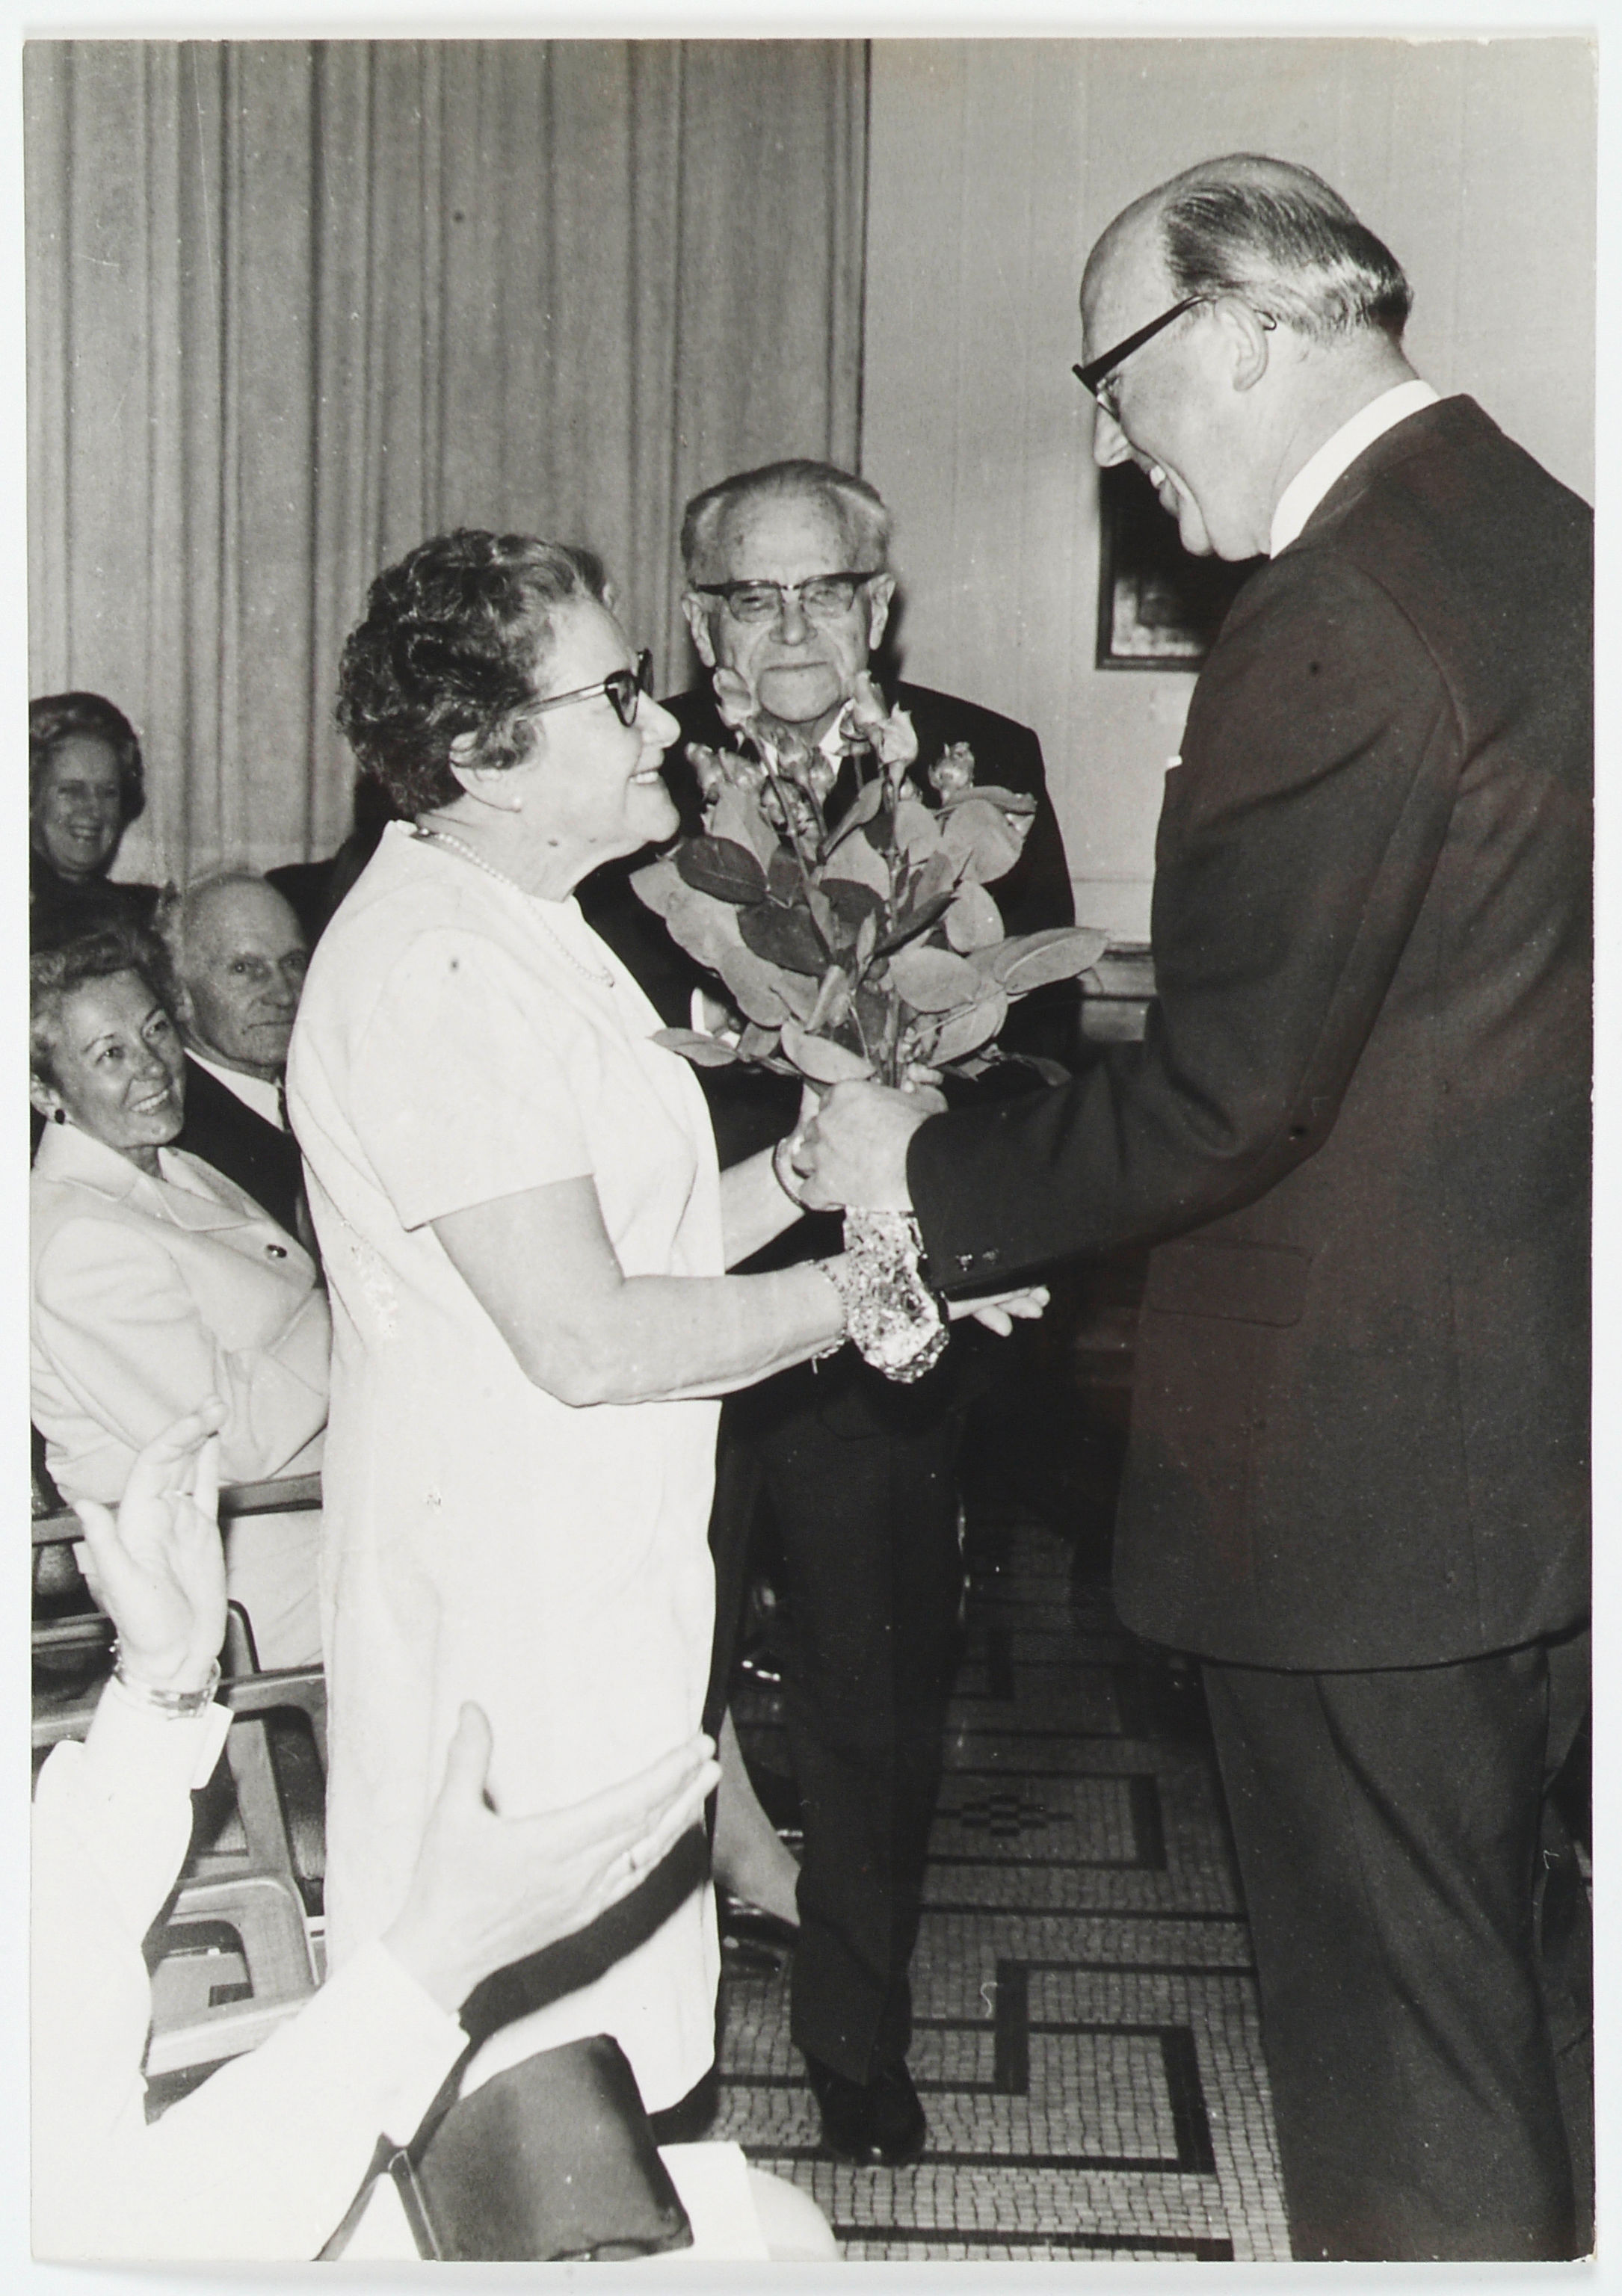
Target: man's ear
x=881 y=590
x=1245 y=335
x=697 y=611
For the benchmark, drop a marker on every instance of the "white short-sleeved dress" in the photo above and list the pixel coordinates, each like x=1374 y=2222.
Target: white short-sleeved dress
x=458 y=1042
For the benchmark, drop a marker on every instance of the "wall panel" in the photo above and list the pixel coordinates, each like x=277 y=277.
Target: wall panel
x=994 y=164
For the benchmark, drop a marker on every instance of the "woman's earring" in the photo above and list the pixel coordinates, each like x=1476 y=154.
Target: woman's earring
x=59 y=1116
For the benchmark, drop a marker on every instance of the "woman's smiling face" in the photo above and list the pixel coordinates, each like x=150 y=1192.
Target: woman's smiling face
x=592 y=786
x=77 y=812
x=117 y=1065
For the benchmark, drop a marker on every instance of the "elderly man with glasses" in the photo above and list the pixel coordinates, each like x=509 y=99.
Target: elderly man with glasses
x=1358 y=1134
x=789 y=584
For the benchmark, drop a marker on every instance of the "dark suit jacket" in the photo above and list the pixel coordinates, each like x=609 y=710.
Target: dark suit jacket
x=1361 y=1105
x=750 y=1108
x=225 y=1132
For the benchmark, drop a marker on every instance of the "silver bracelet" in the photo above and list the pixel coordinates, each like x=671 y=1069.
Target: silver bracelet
x=893 y=1320
x=174 y=1705
x=785 y=1178
x=835 y=1274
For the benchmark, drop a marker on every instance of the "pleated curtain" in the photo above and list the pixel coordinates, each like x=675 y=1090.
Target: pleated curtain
x=293 y=305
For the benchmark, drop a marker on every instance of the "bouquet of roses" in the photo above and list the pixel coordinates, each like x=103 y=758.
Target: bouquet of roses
x=866 y=946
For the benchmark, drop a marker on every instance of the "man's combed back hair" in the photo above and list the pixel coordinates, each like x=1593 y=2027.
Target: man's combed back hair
x=456 y=640
x=177 y=909
x=1278 y=236
x=857 y=507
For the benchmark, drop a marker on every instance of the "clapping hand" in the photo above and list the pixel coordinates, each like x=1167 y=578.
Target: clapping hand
x=488 y=1890
x=159 y=1570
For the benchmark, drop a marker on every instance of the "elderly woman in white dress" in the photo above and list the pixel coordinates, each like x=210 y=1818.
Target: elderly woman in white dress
x=526 y=1237
x=155 y=1281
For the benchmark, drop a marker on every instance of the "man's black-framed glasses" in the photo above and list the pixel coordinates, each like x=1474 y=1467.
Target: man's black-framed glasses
x=623 y=688
x=822 y=597
x=1094 y=375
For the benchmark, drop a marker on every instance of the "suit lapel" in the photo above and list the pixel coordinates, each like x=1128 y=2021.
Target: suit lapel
x=197 y=1197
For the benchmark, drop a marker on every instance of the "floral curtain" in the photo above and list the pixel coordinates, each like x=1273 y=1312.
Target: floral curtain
x=293 y=305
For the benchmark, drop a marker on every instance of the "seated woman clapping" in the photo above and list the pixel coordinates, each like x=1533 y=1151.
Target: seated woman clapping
x=155 y=1281
x=260 y=2162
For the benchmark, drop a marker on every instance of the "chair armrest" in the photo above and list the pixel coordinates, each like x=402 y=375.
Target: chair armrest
x=284 y=1494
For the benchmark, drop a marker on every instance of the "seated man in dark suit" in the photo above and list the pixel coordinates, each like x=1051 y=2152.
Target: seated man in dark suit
x=789 y=584
x=238 y=954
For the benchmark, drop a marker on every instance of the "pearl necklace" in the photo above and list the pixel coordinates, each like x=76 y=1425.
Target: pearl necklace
x=435 y=836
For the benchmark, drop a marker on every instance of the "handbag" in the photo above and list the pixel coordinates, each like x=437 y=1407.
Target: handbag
x=550 y=2160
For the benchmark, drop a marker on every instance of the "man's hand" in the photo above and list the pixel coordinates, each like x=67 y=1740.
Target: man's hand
x=488 y=1890
x=159 y=1570
x=854 y=1150
x=999 y=1311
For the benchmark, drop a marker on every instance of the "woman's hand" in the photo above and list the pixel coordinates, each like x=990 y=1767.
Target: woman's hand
x=159 y=1570
x=488 y=1890
x=782 y=1155
x=999 y=1311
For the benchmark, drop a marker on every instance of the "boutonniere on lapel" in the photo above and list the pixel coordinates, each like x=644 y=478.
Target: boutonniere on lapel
x=862 y=946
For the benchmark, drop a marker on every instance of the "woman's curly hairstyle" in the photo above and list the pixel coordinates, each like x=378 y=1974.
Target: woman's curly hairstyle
x=55 y=974
x=55 y=718
x=454 y=641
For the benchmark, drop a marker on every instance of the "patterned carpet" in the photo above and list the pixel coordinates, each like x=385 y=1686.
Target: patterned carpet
x=1087 y=2041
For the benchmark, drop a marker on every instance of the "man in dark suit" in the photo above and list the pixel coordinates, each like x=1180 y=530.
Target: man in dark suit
x=238 y=953
x=1358 y=1131
x=789 y=585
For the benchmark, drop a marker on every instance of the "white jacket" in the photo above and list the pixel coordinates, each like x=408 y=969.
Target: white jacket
x=148 y=1295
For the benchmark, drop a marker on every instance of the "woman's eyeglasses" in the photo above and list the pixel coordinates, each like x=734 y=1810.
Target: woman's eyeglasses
x=623 y=688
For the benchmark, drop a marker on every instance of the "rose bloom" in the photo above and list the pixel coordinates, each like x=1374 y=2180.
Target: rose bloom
x=952 y=771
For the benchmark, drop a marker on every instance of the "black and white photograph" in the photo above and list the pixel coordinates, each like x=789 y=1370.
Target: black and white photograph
x=811 y=950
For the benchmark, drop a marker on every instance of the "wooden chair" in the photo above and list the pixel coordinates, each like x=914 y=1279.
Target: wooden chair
x=249 y=1892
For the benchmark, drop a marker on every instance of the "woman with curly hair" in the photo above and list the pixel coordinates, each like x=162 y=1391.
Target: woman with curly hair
x=86 y=785
x=525 y=1237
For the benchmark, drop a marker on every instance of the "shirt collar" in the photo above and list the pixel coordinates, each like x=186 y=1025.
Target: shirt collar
x=65 y=1152
x=261 y=1094
x=1339 y=452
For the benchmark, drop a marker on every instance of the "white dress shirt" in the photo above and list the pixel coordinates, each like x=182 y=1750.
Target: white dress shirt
x=1337 y=453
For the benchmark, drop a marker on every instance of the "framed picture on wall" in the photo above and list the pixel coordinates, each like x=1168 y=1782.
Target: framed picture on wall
x=1157 y=608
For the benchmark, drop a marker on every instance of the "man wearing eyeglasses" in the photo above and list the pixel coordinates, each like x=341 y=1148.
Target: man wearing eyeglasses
x=1358 y=1134
x=789 y=585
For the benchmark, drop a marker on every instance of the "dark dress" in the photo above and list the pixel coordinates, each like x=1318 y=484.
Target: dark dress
x=60 y=908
